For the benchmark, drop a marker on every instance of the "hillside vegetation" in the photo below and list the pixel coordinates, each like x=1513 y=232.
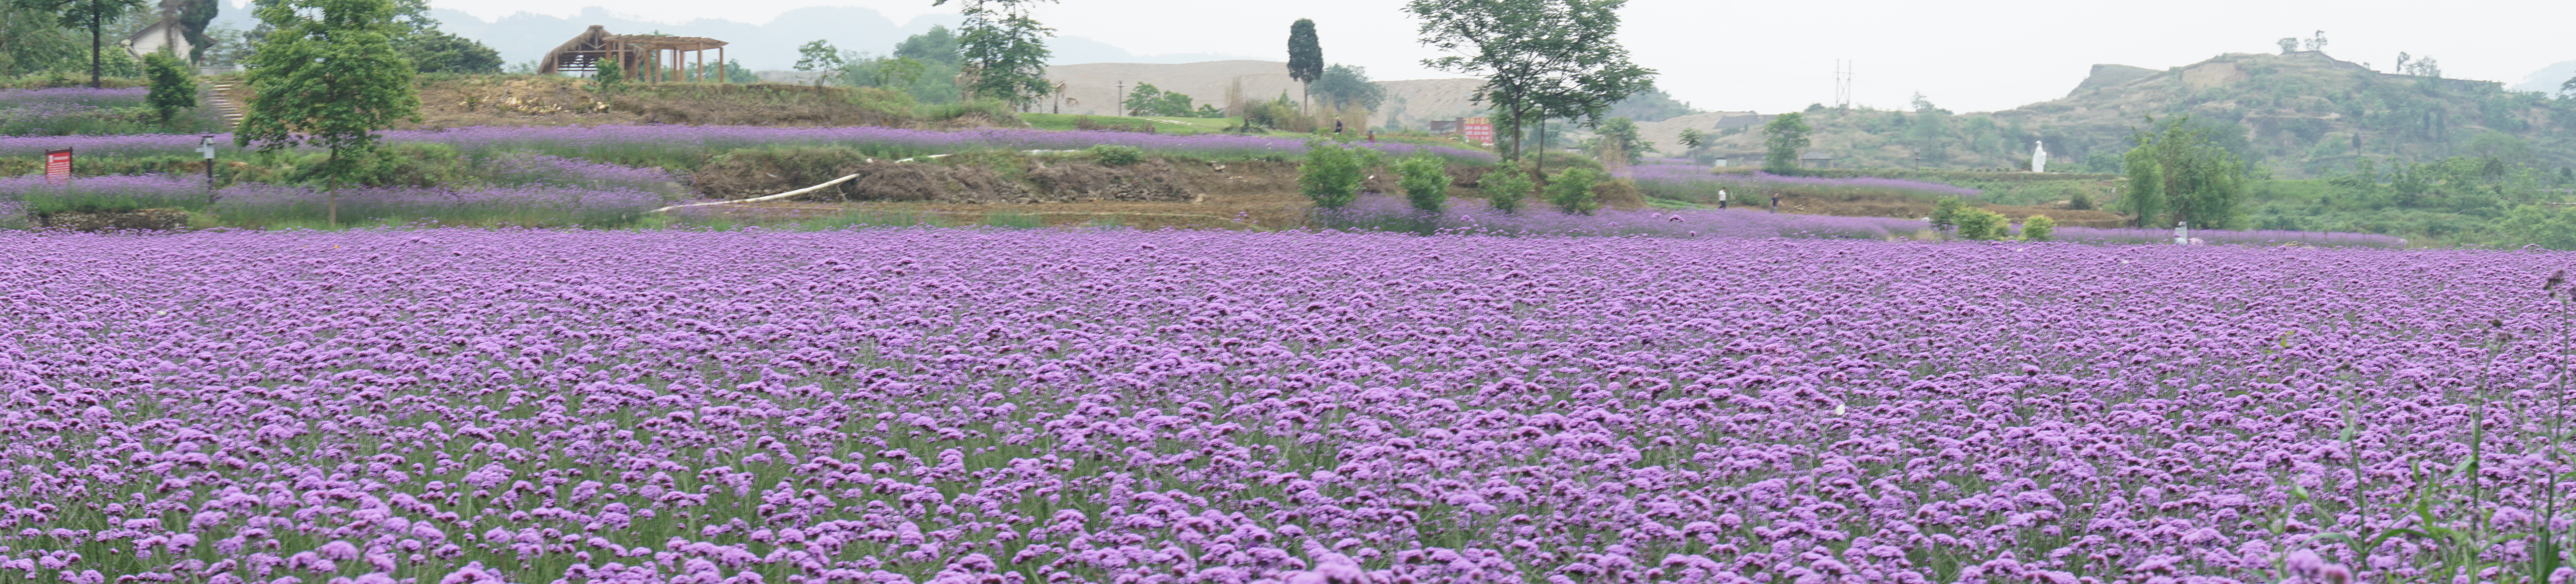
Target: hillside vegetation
x=2300 y=115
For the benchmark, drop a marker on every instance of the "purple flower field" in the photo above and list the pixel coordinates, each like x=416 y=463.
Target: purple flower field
x=555 y=192
x=1473 y=217
x=1022 y=406
x=626 y=144
x=1699 y=183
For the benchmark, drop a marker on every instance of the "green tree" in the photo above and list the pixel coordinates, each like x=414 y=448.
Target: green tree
x=1305 y=55
x=818 y=56
x=436 y=51
x=1620 y=135
x=1571 y=191
x=1945 y=214
x=1783 y=141
x=1332 y=173
x=1425 y=179
x=1347 y=85
x=1539 y=58
x=1983 y=225
x=92 y=14
x=1505 y=186
x=1148 y=100
x=2038 y=228
x=1692 y=138
x=2183 y=172
x=609 y=79
x=938 y=46
x=328 y=76
x=194 y=17
x=2548 y=226
x=1003 y=49
x=174 y=84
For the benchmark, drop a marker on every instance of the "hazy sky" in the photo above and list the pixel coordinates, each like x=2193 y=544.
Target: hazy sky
x=1773 y=56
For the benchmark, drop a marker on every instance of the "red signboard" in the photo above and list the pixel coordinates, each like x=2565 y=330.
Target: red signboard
x=58 y=166
x=1480 y=131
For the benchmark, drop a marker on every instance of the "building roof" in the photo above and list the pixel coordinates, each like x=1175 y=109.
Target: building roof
x=665 y=42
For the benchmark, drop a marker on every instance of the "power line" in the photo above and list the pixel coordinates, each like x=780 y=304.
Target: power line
x=1842 y=83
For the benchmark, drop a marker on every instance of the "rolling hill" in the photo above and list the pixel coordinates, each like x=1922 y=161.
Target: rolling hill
x=2301 y=114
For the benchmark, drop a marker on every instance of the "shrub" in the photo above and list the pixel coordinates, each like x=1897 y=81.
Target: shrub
x=1981 y=224
x=1571 y=191
x=1116 y=155
x=1505 y=186
x=2079 y=199
x=1945 y=215
x=1332 y=173
x=1425 y=179
x=173 y=84
x=2039 y=227
x=609 y=79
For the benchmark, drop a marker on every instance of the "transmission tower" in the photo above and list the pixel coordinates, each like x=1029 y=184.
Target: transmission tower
x=1842 y=83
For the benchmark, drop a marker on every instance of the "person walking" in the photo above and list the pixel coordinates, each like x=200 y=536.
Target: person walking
x=1775 y=203
x=1721 y=199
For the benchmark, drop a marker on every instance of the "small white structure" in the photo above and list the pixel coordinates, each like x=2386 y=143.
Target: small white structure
x=164 y=34
x=2038 y=156
x=2182 y=233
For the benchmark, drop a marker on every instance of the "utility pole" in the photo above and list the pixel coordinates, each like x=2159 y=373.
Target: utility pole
x=1121 y=106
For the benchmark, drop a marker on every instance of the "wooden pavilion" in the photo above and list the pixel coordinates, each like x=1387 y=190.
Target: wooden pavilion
x=646 y=57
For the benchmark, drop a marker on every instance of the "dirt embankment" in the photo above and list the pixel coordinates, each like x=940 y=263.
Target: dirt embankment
x=514 y=100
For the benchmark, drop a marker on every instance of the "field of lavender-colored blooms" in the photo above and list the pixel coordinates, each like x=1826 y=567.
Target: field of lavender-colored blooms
x=961 y=405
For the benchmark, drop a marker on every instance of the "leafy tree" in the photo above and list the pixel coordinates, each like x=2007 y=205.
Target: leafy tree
x=92 y=14
x=2182 y=172
x=1945 y=214
x=2289 y=45
x=174 y=84
x=2547 y=226
x=1571 y=190
x=194 y=16
x=1425 y=179
x=939 y=46
x=1305 y=54
x=1692 y=138
x=1332 y=173
x=328 y=76
x=1620 y=135
x=1148 y=100
x=1539 y=58
x=818 y=56
x=1505 y=187
x=1784 y=139
x=1650 y=105
x=436 y=51
x=1982 y=225
x=2038 y=228
x=1348 y=85
x=34 y=40
x=1004 y=49
x=609 y=79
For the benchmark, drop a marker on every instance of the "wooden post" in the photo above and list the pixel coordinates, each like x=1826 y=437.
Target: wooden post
x=722 y=76
x=702 y=64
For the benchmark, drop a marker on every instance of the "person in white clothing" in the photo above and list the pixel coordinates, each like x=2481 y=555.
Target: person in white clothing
x=1721 y=198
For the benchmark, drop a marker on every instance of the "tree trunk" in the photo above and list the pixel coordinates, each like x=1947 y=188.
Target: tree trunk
x=94 y=44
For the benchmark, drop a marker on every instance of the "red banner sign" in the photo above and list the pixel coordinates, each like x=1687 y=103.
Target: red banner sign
x=1480 y=131
x=58 y=166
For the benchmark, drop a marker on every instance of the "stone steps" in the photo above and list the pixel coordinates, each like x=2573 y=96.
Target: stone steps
x=231 y=112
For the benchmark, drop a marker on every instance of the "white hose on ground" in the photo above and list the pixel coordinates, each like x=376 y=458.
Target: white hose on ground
x=767 y=198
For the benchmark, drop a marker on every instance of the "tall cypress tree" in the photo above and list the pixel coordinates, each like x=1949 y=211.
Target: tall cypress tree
x=1305 y=55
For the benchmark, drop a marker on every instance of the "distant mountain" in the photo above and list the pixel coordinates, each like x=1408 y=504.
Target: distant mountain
x=2302 y=114
x=526 y=37
x=2548 y=79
